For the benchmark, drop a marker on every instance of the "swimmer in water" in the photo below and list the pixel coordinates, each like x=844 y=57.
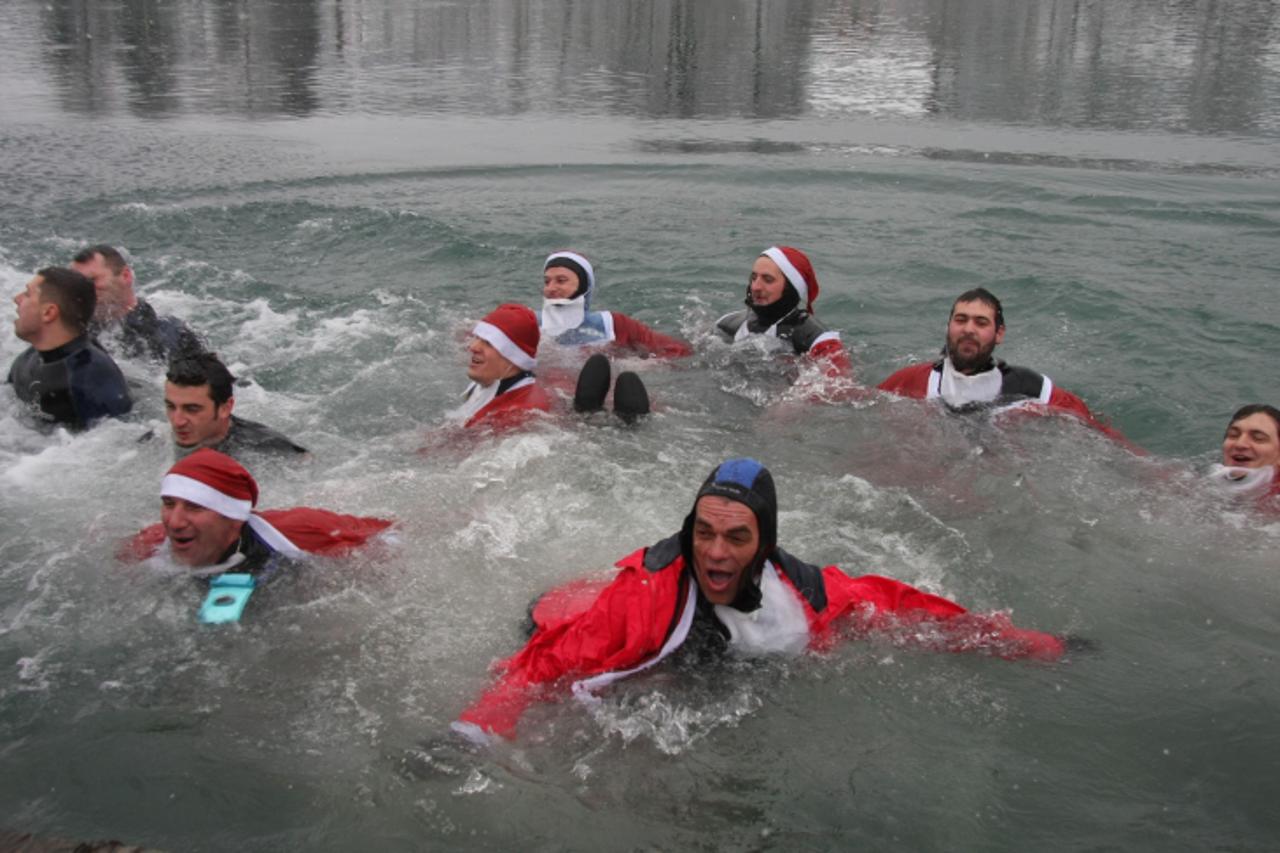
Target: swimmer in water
x=503 y=352
x=968 y=376
x=781 y=291
x=1251 y=453
x=568 y=282
x=199 y=394
x=122 y=312
x=208 y=522
x=722 y=584
x=66 y=377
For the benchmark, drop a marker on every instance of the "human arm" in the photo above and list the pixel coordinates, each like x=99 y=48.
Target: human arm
x=632 y=333
x=625 y=625
x=884 y=605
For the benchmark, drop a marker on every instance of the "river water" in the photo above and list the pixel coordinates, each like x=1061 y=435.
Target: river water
x=332 y=191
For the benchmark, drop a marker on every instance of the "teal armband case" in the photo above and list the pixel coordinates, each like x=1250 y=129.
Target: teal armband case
x=228 y=594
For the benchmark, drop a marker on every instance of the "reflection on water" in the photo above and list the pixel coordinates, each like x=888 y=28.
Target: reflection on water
x=1208 y=67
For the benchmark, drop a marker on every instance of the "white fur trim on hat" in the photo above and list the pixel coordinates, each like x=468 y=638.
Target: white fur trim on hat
x=188 y=489
x=780 y=258
x=498 y=339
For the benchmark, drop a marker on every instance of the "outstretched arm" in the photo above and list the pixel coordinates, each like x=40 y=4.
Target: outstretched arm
x=632 y=333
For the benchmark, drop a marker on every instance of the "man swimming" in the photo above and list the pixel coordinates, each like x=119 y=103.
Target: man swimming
x=120 y=311
x=64 y=374
x=198 y=400
x=1251 y=453
x=568 y=282
x=781 y=291
x=209 y=522
x=968 y=376
x=722 y=583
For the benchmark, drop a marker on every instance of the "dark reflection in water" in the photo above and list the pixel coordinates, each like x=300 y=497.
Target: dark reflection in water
x=1195 y=65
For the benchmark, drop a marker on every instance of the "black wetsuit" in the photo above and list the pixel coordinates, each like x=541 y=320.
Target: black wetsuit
x=143 y=333
x=260 y=559
x=798 y=327
x=247 y=436
x=74 y=384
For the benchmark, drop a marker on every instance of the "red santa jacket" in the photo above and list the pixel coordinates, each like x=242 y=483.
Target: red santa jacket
x=631 y=333
x=306 y=529
x=513 y=407
x=645 y=613
x=1023 y=387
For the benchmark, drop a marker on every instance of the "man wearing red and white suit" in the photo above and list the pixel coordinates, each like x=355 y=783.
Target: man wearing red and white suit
x=208 y=522
x=722 y=580
x=968 y=377
x=503 y=354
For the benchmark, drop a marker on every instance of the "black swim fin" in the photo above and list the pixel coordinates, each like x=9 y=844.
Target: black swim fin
x=630 y=399
x=593 y=385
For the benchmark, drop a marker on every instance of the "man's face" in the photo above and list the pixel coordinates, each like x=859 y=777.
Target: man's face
x=972 y=335
x=487 y=365
x=115 y=290
x=559 y=283
x=30 y=311
x=726 y=538
x=195 y=420
x=766 y=283
x=1251 y=442
x=197 y=535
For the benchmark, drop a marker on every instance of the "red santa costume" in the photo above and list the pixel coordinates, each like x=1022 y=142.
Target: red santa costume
x=512 y=330
x=216 y=481
x=647 y=612
x=571 y=322
x=786 y=320
x=1004 y=385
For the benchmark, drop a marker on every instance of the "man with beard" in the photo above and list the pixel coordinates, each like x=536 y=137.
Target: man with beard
x=967 y=377
x=722 y=585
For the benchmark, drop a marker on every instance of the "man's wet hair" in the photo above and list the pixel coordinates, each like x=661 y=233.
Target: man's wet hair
x=986 y=297
x=74 y=295
x=111 y=256
x=191 y=370
x=1256 y=409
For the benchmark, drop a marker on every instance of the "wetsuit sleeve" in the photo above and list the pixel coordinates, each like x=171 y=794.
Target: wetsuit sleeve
x=875 y=603
x=97 y=387
x=624 y=626
x=632 y=333
x=910 y=381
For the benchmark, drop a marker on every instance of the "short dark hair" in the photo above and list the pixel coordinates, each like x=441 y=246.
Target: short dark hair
x=111 y=256
x=74 y=295
x=190 y=370
x=1256 y=409
x=986 y=297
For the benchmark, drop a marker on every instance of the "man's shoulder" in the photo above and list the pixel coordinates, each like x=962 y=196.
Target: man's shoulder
x=910 y=381
x=803 y=331
x=245 y=434
x=729 y=324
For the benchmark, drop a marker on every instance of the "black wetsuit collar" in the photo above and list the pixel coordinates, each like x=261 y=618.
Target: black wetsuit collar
x=59 y=353
x=774 y=312
x=505 y=385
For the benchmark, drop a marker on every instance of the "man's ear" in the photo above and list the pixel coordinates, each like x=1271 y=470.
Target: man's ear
x=50 y=312
x=126 y=275
x=1000 y=335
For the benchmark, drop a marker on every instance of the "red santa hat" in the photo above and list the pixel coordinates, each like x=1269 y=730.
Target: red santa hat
x=799 y=272
x=212 y=480
x=512 y=330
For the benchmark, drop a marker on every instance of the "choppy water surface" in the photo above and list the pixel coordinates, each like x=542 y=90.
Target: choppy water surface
x=334 y=191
